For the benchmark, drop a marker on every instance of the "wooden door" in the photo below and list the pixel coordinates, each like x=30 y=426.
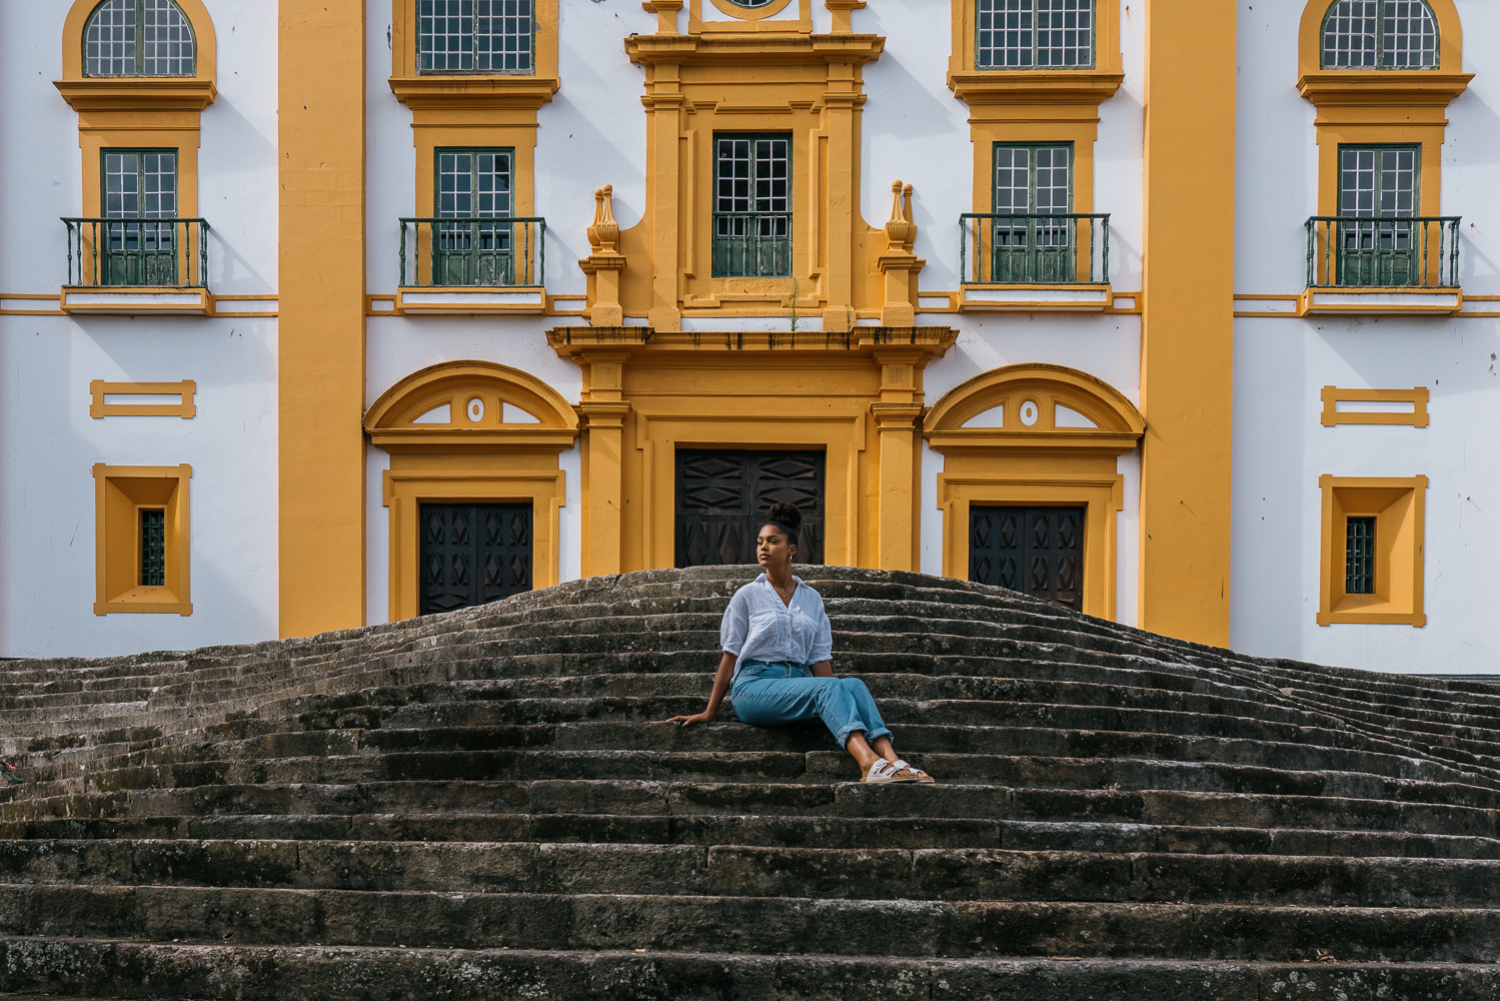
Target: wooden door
x=1035 y=550
x=723 y=496
x=473 y=553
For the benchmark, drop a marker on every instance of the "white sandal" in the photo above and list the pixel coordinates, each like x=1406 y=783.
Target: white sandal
x=920 y=776
x=883 y=771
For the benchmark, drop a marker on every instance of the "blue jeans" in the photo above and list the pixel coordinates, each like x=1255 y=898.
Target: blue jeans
x=772 y=694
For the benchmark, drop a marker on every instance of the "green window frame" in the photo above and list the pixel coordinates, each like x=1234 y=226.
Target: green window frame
x=476 y=36
x=1030 y=182
x=1359 y=555
x=1381 y=184
x=752 y=224
x=1034 y=34
x=139 y=38
x=1381 y=35
x=139 y=189
x=473 y=185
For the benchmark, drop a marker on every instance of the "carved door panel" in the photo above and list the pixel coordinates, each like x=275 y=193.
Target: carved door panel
x=723 y=496
x=473 y=553
x=1037 y=550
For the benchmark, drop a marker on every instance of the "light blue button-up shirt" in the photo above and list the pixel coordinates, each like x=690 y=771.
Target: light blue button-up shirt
x=757 y=626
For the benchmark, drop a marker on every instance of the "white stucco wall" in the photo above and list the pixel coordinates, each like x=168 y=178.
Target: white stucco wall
x=48 y=441
x=1281 y=366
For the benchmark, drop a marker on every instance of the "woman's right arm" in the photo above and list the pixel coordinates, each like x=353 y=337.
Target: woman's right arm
x=721 y=687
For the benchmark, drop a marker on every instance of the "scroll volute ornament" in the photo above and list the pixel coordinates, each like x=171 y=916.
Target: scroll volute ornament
x=604 y=263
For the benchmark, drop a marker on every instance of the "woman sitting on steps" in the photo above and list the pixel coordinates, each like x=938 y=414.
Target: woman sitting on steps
x=777 y=643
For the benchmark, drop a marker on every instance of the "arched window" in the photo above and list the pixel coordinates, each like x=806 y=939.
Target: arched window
x=1034 y=34
x=475 y=36
x=1380 y=34
x=139 y=38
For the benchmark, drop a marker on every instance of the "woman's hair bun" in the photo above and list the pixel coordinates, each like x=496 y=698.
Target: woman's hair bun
x=786 y=515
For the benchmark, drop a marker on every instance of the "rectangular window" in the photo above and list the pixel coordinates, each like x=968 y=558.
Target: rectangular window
x=153 y=547
x=752 y=206
x=139 y=185
x=1034 y=34
x=475 y=36
x=1381 y=184
x=1359 y=558
x=1033 y=183
x=474 y=185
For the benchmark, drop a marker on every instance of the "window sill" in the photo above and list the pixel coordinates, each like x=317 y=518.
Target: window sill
x=474 y=91
x=471 y=300
x=108 y=300
x=1331 y=301
x=138 y=93
x=1370 y=609
x=1429 y=88
x=1035 y=86
x=1037 y=298
x=149 y=600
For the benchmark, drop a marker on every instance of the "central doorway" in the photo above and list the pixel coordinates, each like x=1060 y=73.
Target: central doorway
x=1035 y=550
x=724 y=494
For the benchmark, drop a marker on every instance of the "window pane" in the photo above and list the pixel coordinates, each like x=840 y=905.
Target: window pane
x=1006 y=36
x=109 y=42
x=1359 y=565
x=153 y=548
x=122 y=185
x=445 y=36
x=1349 y=35
x=168 y=46
x=1411 y=36
x=455 y=185
x=752 y=206
x=503 y=36
x=1064 y=32
x=462 y=36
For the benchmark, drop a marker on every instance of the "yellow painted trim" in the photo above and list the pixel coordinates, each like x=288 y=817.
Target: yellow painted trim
x=197 y=14
x=746 y=13
x=1049 y=385
x=750 y=20
x=404 y=57
x=764 y=76
x=1398 y=505
x=1187 y=330
x=321 y=348
x=963 y=73
x=185 y=391
x=1310 y=40
x=1100 y=493
x=1333 y=396
x=413 y=479
x=120 y=492
x=392 y=420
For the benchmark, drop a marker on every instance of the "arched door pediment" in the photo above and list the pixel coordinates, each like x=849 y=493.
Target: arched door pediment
x=471 y=406
x=1032 y=408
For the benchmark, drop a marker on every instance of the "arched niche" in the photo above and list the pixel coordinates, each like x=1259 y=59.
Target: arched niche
x=1030 y=436
x=1310 y=40
x=470 y=432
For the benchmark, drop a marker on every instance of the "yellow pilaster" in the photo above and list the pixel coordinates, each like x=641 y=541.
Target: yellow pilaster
x=603 y=411
x=1187 y=350
x=322 y=271
x=895 y=419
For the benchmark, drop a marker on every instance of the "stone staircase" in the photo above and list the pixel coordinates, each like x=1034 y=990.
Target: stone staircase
x=483 y=805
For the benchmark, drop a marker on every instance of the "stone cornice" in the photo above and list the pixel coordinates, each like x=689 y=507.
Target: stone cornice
x=138 y=93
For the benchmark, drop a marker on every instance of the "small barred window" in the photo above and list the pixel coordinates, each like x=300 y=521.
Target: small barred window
x=1034 y=34
x=1380 y=35
x=475 y=36
x=139 y=38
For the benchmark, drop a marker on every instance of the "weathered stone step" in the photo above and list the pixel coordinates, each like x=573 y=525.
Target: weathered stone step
x=162 y=970
x=770 y=832
x=990 y=802
x=814 y=768
x=856 y=873
x=749 y=925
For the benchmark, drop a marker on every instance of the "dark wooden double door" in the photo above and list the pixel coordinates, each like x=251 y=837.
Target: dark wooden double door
x=1035 y=550
x=723 y=496
x=473 y=553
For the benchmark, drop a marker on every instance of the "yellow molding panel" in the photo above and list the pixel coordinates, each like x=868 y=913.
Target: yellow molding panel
x=750 y=19
x=1415 y=398
x=204 y=40
x=185 y=391
x=1398 y=505
x=1187 y=335
x=762 y=76
x=321 y=351
x=120 y=494
x=855 y=395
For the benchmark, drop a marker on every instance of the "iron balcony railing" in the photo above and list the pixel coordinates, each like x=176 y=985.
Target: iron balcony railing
x=1066 y=248
x=1411 y=252
x=485 y=252
x=752 y=245
x=141 y=252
